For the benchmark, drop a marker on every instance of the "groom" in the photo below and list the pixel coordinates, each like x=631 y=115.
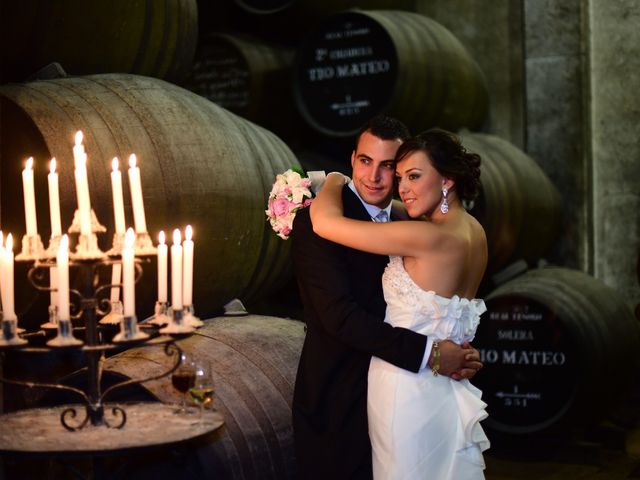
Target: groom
x=344 y=308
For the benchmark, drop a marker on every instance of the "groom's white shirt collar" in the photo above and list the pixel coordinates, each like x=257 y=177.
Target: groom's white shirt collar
x=372 y=210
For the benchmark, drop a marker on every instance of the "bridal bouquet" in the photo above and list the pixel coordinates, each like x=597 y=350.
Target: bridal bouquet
x=290 y=192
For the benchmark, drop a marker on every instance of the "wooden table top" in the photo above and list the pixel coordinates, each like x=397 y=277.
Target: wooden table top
x=148 y=425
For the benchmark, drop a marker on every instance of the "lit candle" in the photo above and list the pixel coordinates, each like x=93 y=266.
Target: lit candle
x=128 y=275
x=136 y=196
x=116 y=275
x=62 y=261
x=7 y=280
x=53 y=283
x=29 y=199
x=162 y=269
x=54 y=201
x=187 y=280
x=176 y=271
x=82 y=185
x=118 y=203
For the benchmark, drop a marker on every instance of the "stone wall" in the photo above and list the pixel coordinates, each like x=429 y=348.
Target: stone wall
x=563 y=77
x=614 y=144
x=492 y=33
x=555 y=116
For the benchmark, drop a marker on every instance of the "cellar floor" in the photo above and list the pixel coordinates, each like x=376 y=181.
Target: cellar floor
x=610 y=451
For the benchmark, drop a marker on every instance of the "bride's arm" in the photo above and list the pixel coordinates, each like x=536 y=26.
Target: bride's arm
x=392 y=238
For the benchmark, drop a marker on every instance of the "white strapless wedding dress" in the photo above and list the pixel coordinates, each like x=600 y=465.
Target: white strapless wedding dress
x=422 y=426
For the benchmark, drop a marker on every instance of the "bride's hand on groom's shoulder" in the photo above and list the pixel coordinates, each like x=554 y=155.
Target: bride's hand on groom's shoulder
x=338 y=177
x=457 y=361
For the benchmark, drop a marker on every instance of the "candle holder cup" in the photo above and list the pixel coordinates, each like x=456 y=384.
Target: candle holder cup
x=115 y=315
x=143 y=244
x=161 y=314
x=190 y=317
x=54 y=246
x=129 y=331
x=53 y=319
x=10 y=333
x=65 y=336
x=87 y=246
x=177 y=326
x=32 y=248
x=117 y=245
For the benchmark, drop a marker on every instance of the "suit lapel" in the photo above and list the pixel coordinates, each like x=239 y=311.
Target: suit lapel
x=353 y=207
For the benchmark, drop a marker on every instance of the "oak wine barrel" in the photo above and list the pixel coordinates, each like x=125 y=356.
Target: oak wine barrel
x=556 y=345
x=249 y=77
x=254 y=359
x=518 y=206
x=356 y=64
x=146 y=37
x=199 y=163
x=305 y=10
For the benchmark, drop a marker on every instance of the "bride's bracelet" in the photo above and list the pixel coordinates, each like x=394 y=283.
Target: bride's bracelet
x=435 y=363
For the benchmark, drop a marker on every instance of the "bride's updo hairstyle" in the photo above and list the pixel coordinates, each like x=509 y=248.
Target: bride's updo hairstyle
x=449 y=158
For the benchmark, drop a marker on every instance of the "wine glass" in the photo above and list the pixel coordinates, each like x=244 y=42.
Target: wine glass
x=202 y=391
x=183 y=379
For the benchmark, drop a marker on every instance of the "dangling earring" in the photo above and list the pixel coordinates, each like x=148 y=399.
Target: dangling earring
x=444 y=206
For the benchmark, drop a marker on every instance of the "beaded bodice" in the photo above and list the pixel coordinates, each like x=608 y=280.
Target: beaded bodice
x=424 y=311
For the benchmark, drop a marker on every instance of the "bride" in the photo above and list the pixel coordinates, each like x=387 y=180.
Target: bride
x=423 y=425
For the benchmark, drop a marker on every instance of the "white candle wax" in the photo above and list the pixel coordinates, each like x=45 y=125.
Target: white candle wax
x=118 y=202
x=176 y=271
x=62 y=261
x=53 y=283
x=82 y=185
x=78 y=148
x=116 y=275
x=7 y=280
x=29 y=199
x=187 y=280
x=162 y=269
x=136 y=196
x=128 y=275
x=54 y=201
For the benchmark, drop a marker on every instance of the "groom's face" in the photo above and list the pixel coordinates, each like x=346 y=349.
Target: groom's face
x=373 y=169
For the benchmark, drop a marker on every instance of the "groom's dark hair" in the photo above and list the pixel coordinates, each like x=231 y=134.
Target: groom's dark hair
x=385 y=127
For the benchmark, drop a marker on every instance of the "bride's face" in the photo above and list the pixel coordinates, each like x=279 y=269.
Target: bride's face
x=419 y=184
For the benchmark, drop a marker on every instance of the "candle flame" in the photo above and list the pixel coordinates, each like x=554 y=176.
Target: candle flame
x=29 y=165
x=79 y=138
x=161 y=238
x=177 y=237
x=188 y=232
x=52 y=165
x=129 y=238
x=9 y=246
x=132 y=160
x=1 y=238
x=114 y=164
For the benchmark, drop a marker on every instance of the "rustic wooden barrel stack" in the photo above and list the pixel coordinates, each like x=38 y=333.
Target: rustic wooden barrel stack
x=270 y=77
x=555 y=343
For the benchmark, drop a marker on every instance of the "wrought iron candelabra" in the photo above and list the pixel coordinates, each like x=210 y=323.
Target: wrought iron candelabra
x=90 y=303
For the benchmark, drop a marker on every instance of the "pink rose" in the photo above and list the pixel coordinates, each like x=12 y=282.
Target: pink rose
x=280 y=206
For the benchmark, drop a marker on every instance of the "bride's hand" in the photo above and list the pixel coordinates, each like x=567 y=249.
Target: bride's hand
x=338 y=178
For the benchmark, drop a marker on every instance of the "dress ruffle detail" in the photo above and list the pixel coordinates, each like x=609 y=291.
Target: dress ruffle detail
x=452 y=318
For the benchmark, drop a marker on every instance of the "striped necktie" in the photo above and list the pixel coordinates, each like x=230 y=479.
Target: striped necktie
x=382 y=216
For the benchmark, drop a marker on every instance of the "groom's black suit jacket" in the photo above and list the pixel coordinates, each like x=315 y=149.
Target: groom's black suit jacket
x=344 y=310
